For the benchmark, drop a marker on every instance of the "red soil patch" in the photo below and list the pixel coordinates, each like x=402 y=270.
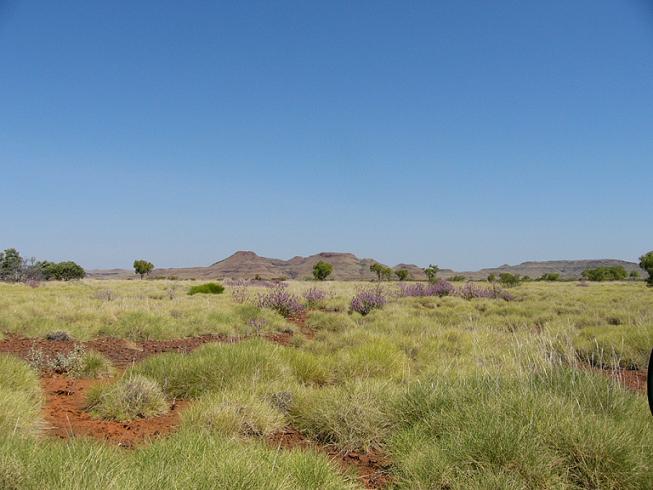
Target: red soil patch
x=300 y=321
x=631 y=379
x=64 y=412
x=122 y=352
x=371 y=467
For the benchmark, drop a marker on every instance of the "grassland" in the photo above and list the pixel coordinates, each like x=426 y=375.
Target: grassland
x=455 y=393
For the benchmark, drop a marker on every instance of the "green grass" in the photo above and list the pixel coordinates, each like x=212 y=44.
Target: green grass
x=458 y=394
x=208 y=288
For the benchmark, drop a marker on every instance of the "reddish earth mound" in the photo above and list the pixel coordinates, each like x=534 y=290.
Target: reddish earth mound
x=64 y=412
x=372 y=467
x=123 y=352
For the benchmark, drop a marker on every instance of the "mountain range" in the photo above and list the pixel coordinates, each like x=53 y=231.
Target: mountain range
x=348 y=267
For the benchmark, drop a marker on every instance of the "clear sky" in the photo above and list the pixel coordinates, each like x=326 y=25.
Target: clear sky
x=462 y=133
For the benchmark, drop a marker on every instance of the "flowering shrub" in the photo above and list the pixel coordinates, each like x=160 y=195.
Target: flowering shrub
x=367 y=300
x=471 y=290
x=314 y=297
x=281 y=301
x=439 y=288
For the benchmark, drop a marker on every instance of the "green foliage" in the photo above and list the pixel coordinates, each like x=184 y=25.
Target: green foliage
x=381 y=271
x=457 y=278
x=62 y=271
x=233 y=413
x=614 y=273
x=354 y=416
x=20 y=398
x=634 y=275
x=208 y=288
x=143 y=267
x=11 y=264
x=491 y=277
x=550 y=276
x=646 y=263
x=432 y=272
x=509 y=280
x=131 y=397
x=402 y=274
x=322 y=270
x=91 y=365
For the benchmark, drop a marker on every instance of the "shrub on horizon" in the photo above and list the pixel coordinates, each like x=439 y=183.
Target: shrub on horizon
x=432 y=272
x=509 y=280
x=599 y=274
x=208 y=288
x=143 y=267
x=646 y=263
x=402 y=274
x=322 y=270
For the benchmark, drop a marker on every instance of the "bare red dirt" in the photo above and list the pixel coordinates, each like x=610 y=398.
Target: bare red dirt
x=371 y=467
x=631 y=379
x=123 y=352
x=65 y=415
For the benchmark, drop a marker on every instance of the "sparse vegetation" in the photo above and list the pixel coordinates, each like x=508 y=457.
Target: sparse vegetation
x=382 y=272
x=432 y=272
x=454 y=389
x=615 y=273
x=322 y=270
x=143 y=267
x=646 y=263
x=402 y=274
x=508 y=280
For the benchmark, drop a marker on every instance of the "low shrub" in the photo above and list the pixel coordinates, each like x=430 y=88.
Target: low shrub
x=132 y=397
x=234 y=414
x=280 y=300
x=367 y=300
x=91 y=364
x=471 y=291
x=208 y=288
x=438 y=288
x=355 y=416
x=314 y=297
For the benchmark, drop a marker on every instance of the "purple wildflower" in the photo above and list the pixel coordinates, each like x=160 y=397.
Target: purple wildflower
x=367 y=300
x=314 y=297
x=439 y=288
x=281 y=301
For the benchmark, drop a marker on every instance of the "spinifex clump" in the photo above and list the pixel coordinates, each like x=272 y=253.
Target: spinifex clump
x=280 y=300
x=368 y=300
x=439 y=288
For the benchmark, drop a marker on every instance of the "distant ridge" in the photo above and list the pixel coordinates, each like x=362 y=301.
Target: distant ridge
x=348 y=267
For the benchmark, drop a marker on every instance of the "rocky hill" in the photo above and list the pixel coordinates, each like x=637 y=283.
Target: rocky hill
x=348 y=267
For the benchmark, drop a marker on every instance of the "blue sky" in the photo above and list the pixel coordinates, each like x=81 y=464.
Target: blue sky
x=462 y=133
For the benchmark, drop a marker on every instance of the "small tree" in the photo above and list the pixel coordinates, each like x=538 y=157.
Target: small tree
x=508 y=280
x=634 y=275
x=143 y=267
x=432 y=272
x=402 y=274
x=381 y=271
x=491 y=277
x=646 y=263
x=322 y=270
x=550 y=276
x=64 y=271
x=11 y=265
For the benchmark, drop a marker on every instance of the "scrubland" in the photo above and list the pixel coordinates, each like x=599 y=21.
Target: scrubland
x=454 y=393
